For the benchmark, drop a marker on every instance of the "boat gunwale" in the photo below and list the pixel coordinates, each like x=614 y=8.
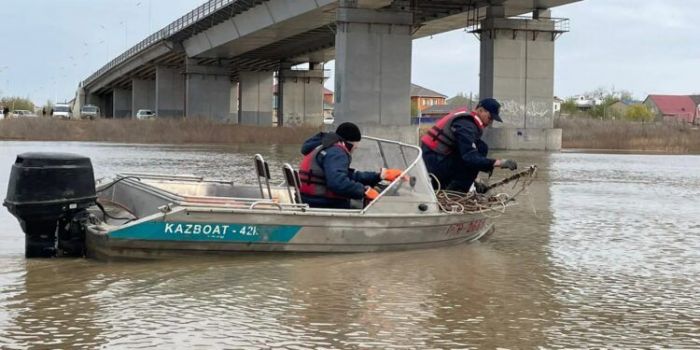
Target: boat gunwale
x=287 y=208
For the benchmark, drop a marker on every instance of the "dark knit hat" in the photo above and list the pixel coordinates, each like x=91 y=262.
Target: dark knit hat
x=349 y=132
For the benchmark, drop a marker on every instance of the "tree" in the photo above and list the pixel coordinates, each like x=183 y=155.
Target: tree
x=415 y=111
x=639 y=113
x=48 y=107
x=461 y=99
x=602 y=110
x=569 y=106
x=603 y=93
x=15 y=103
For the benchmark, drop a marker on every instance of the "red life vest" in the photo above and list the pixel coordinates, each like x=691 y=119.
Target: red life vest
x=440 y=138
x=312 y=176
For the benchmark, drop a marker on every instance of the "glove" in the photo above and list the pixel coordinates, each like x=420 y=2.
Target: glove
x=480 y=187
x=371 y=193
x=390 y=174
x=508 y=164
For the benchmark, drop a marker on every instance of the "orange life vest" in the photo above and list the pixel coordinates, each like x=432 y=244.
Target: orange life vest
x=312 y=176
x=440 y=138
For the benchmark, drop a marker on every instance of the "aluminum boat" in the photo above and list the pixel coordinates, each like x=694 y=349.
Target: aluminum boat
x=153 y=215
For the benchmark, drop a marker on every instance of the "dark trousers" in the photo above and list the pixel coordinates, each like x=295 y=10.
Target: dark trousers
x=450 y=170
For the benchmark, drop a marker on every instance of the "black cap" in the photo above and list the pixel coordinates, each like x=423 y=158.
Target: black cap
x=349 y=132
x=491 y=105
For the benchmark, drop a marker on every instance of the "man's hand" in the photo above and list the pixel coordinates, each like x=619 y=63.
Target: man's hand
x=480 y=187
x=371 y=193
x=506 y=164
x=391 y=174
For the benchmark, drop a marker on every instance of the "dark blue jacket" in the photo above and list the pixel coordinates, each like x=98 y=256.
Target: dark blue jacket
x=468 y=136
x=340 y=178
x=461 y=167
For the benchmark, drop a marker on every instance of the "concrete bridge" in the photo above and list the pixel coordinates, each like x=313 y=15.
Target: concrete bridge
x=222 y=59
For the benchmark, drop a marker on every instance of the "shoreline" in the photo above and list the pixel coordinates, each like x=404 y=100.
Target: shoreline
x=578 y=135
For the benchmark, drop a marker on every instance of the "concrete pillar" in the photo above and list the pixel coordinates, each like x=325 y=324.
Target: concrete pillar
x=99 y=101
x=143 y=95
x=207 y=91
x=121 y=103
x=373 y=66
x=301 y=97
x=78 y=103
x=517 y=68
x=233 y=108
x=255 y=98
x=170 y=92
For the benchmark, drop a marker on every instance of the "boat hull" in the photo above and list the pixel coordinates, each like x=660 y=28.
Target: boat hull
x=198 y=230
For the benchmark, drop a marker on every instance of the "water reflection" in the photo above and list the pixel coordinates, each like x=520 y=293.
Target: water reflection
x=49 y=305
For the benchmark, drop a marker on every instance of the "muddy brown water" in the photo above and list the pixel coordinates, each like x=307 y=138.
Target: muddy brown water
x=604 y=251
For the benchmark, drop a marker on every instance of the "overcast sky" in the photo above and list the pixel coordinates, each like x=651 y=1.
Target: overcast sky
x=645 y=47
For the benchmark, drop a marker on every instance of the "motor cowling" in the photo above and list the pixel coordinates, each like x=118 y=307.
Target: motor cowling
x=49 y=193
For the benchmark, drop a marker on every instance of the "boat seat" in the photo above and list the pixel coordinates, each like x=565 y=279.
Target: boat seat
x=263 y=172
x=291 y=179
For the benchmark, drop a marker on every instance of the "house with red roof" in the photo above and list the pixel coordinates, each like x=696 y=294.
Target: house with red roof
x=676 y=108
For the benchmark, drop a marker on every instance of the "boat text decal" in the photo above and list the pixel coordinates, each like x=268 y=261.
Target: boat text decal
x=463 y=228
x=185 y=231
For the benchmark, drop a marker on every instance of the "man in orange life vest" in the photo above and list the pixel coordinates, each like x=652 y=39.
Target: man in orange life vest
x=327 y=181
x=453 y=150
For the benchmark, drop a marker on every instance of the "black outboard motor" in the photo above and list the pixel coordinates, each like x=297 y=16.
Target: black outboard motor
x=49 y=193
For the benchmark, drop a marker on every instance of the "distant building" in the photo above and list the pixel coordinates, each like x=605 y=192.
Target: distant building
x=676 y=108
x=435 y=112
x=327 y=95
x=556 y=105
x=422 y=98
x=327 y=103
x=584 y=102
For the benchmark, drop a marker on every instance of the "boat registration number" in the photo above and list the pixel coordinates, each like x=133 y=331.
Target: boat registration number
x=463 y=228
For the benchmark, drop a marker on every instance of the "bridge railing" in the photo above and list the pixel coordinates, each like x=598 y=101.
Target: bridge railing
x=173 y=28
x=553 y=25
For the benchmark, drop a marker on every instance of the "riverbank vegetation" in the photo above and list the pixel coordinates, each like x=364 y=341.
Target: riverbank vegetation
x=587 y=133
x=577 y=133
x=170 y=131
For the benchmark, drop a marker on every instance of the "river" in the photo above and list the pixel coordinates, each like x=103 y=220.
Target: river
x=602 y=252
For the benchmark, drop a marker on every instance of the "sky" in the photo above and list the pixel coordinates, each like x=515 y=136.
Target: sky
x=644 y=47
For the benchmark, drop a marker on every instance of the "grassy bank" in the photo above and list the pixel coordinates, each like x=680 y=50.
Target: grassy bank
x=578 y=133
x=585 y=133
x=171 y=131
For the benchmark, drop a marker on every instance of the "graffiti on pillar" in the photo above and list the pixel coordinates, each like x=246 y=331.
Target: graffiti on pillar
x=534 y=111
x=293 y=119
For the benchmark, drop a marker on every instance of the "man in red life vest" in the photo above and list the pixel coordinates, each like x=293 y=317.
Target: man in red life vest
x=327 y=181
x=453 y=150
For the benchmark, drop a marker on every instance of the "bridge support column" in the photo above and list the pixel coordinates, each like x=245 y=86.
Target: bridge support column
x=233 y=108
x=143 y=95
x=301 y=97
x=207 y=91
x=373 y=66
x=121 y=103
x=99 y=101
x=170 y=92
x=255 y=98
x=517 y=68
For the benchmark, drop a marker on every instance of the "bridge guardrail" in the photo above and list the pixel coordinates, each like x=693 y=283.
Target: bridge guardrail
x=178 y=25
x=559 y=25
